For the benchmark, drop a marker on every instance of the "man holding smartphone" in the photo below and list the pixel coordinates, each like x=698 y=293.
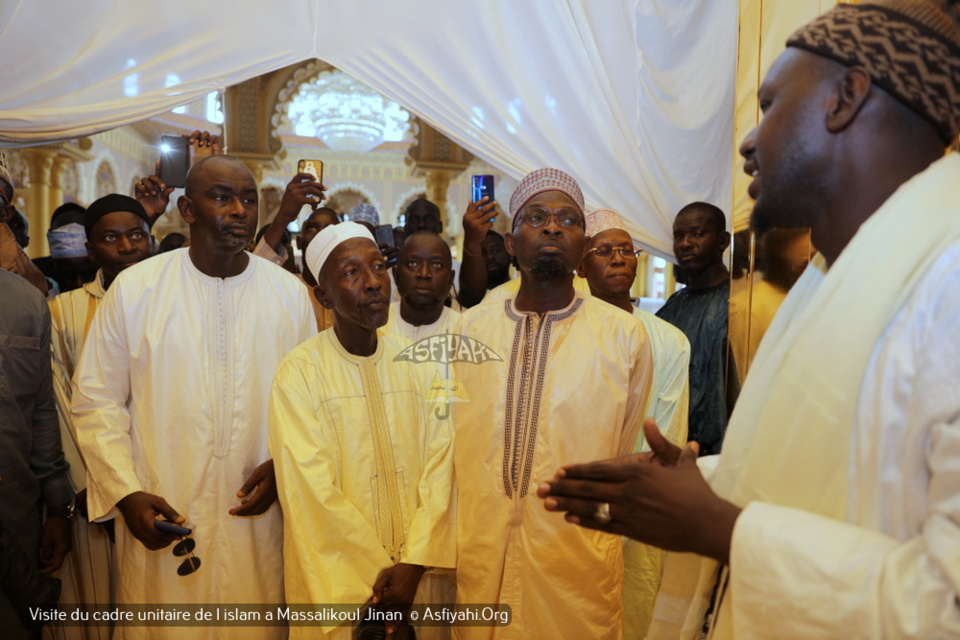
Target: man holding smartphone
x=170 y=404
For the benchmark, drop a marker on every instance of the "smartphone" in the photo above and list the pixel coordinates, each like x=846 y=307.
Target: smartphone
x=169 y=527
x=313 y=167
x=384 y=235
x=174 y=160
x=483 y=187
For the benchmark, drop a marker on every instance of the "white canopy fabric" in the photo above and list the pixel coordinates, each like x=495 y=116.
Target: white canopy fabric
x=635 y=98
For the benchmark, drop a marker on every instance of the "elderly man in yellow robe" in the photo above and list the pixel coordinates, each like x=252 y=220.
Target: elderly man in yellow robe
x=170 y=407
x=610 y=266
x=118 y=236
x=571 y=383
x=364 y=467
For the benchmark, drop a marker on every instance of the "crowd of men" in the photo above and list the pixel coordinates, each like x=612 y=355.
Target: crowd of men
x=439 y=433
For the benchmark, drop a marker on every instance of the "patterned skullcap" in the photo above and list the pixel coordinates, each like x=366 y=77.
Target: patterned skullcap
x=6 y=181
x=600 y=220
x=329 y=239
x=364 y=212
x=910 y=48
x=540 y=181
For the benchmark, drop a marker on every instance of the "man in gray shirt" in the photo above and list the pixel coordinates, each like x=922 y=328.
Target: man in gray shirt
x=33 y=472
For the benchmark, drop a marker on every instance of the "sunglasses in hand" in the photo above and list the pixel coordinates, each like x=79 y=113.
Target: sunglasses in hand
x=183 y=548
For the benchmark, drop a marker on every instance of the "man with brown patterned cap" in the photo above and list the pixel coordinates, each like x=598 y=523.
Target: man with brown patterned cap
x=561 y=377
x=833 y=510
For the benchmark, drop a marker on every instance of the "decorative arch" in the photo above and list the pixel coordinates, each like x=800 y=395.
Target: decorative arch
x=106 y=176
x=350 y=195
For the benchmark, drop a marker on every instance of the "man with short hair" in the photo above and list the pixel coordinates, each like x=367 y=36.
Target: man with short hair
x=423 y=276
x=494 y=252
x=364 y=468
x=700 y=310
x=610 y=266
x=170 y=403
x=420 y=215
x=561 y=377
x=118 y=236
x=836 y=499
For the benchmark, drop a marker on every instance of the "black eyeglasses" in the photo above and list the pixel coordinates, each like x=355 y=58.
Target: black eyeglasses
x=606 y=252
x=537 y=219
x=183 y=548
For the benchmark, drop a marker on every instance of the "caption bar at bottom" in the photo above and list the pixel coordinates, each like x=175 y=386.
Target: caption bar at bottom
x=271 y=615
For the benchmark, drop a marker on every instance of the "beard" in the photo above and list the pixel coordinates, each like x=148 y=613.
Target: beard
x=549 y=267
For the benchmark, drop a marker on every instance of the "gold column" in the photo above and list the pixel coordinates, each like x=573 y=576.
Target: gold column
x=438 y=181
x=41 y=162
x=438 y=159
x=57 y=175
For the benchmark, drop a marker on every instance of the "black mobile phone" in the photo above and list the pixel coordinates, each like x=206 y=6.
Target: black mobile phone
x=384 y=236
x=174 y=160
x=313 y=167
x=483 y=187
x=169 y=527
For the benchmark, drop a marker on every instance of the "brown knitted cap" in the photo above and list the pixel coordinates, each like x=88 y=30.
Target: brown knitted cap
x=910 y=48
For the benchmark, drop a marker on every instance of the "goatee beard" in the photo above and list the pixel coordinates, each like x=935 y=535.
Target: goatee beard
x=549 y=267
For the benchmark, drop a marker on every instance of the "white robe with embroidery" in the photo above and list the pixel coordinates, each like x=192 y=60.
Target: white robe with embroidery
x=170 y=397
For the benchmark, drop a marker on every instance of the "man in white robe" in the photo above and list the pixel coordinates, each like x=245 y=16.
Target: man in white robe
x=836 y=500
x=568 y=380
x=364 y=467
x=170 y=404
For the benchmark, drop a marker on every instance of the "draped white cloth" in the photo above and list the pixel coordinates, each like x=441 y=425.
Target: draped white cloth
x=633 y=97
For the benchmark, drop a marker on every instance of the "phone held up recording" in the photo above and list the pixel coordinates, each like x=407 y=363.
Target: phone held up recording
x=483 y=187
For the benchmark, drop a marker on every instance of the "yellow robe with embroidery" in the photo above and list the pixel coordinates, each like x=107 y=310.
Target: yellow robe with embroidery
x=86 y=572
x=364 y=470
x=571 y=387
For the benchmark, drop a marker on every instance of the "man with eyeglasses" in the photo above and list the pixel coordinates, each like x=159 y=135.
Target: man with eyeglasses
x=170 y=408
x=610 y=266
x=570 y=382
x=700 y=310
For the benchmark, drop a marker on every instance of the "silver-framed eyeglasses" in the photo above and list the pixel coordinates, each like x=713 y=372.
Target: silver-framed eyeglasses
x=565 y=219
x=606 y=252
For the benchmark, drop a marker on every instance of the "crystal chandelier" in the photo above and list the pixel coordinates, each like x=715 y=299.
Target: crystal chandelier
x=345 y=113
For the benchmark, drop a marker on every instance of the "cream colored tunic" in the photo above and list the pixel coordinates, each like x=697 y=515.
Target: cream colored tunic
x=86 y=572
x=571 y=387
x=365 y=470
x=170 y=397
x=448 y=322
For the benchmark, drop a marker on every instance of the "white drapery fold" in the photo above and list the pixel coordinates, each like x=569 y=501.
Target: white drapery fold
x=635 y=98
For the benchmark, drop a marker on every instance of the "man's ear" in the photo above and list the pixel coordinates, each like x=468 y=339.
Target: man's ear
x=508 y=243
x=582 y=269
x=850 y=93
x=320 y=293
x=393 y=273
x=89 y=248
x=724 y=240
x=185 y=205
